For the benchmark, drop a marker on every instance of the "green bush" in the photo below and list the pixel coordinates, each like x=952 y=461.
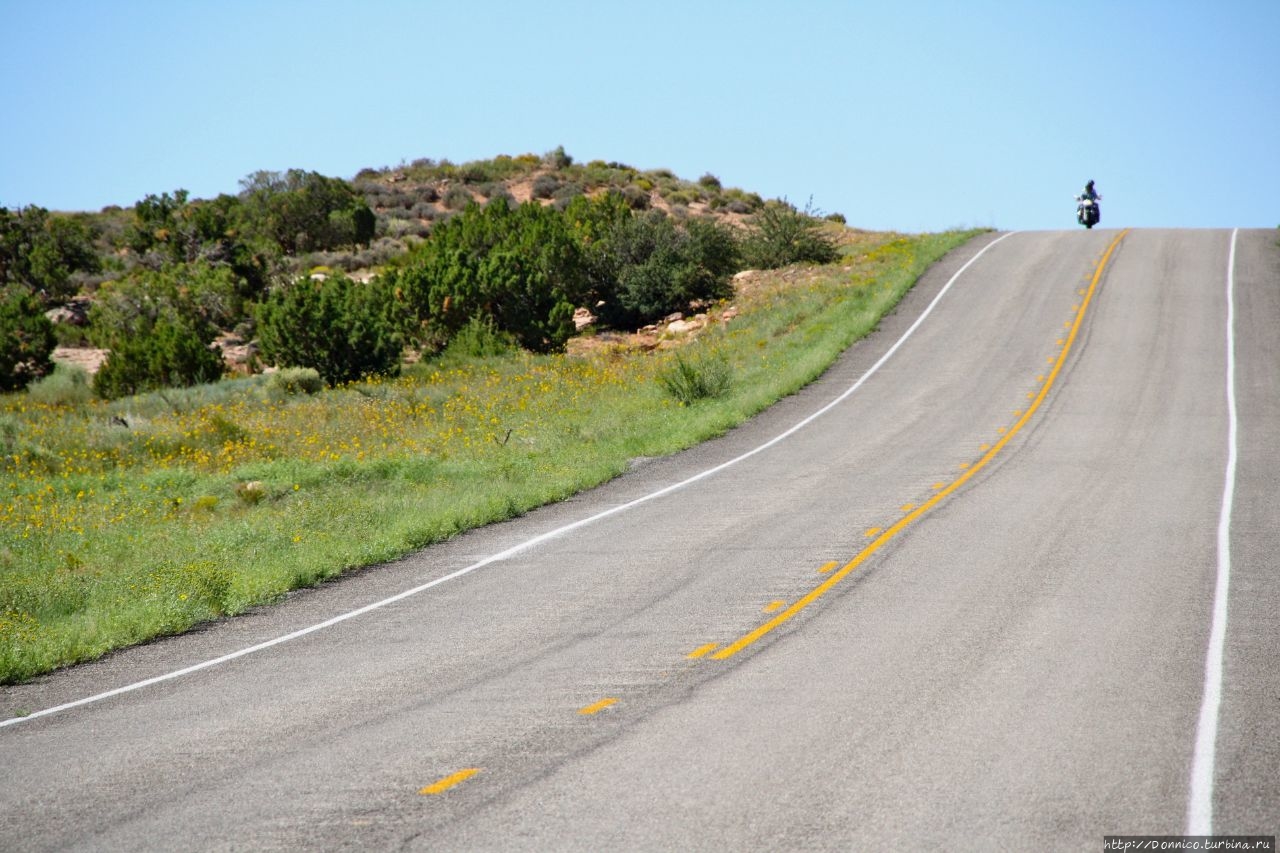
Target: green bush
x=557 y=159
x=457 y=198
x=647 y=266
x=343 y=329
x=637 y=199
x=781 y=235
x=296 y=380
x=40 y=252
x=26 y=340
x=479 y=338
x=521 y=267
x=202 y=296
x=694 y=379
x=305 y=211
x=169 y=354
x=67 y=385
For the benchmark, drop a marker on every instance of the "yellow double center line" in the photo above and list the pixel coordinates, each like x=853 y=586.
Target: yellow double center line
x=888 y=534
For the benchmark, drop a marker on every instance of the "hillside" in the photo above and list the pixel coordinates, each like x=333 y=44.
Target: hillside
x=207 y=267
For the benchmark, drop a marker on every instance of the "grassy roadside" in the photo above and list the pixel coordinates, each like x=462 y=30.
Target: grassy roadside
x=215 y=499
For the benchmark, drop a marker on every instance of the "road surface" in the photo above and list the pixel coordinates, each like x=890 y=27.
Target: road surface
x=1015 y=587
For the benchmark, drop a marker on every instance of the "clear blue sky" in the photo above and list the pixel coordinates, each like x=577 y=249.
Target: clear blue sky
x=906 y=115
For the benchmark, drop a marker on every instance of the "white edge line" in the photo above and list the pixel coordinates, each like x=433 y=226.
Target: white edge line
x=528 y=543
x=1200 y=799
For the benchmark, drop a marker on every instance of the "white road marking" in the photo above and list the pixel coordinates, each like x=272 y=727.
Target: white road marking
x=523 y=546
x=1200 y=800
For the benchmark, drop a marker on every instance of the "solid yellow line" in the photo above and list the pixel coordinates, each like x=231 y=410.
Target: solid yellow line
x=597 y=707
x=449 y=781
x=822 y=588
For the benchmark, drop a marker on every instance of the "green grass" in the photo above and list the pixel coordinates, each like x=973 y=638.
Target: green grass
x=124 y=521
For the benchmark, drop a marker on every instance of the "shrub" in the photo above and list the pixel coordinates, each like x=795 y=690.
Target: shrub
x=169 y=354
x=479 y=338
x=545 y=186
x=478 y=172
x=637 y=199
x=567 y=191
x=41 y=252
x=781 y=235
x=558 y=159
x=647 y=266
x=296 y=380
x=691 y=380
x=26 y=340
x=305 y=211
x=403 y=227
x=709 y=181
x=67 y=385
x=520 y=266
x=199 y=295
x=499 y=193
x=343 y=329
x=457 y=198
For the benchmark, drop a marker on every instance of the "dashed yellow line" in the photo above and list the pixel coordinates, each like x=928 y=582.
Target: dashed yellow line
x=449 y=781
x=969 y=471
x=702 y=651
x=774 y=606
x=597 y=707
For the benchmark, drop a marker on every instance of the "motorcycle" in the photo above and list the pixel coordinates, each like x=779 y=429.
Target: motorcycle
x=1088 y=212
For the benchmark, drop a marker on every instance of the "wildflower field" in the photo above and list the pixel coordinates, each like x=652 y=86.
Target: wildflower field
x=127 y=520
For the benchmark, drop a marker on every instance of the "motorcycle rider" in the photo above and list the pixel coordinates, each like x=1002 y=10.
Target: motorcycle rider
x=1092 y=195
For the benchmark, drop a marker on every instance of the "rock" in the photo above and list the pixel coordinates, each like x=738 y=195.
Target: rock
x=238 y=355
x=74 y=313
x=89 y=358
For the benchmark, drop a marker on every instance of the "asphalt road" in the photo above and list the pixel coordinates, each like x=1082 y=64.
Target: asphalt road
x=969 y=607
